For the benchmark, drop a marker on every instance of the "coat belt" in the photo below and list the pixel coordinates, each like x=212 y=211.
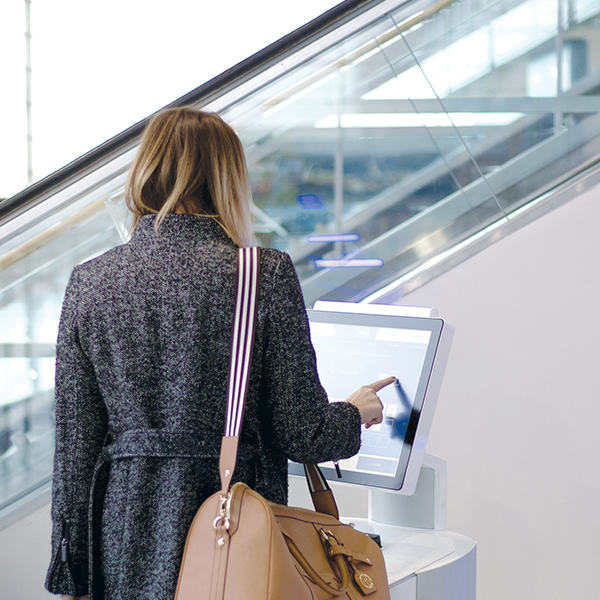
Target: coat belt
x=158 y=443
x=167 y=444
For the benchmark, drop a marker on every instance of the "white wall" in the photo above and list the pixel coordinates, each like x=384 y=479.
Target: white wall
x=518 y=419
x=25 y=556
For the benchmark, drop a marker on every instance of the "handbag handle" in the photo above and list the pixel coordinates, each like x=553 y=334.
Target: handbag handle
x=314 y=576
x=320 y=492
x=242 y=342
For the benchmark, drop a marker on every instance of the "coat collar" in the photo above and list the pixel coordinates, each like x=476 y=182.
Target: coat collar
x=189 y=229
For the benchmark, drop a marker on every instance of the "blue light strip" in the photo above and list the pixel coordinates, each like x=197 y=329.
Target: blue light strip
x=345 y=263
x=332 y=238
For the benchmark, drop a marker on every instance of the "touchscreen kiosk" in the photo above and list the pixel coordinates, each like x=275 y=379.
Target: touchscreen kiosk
x=355 y=349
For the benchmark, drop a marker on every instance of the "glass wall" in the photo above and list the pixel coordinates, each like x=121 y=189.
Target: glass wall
x=418 y=131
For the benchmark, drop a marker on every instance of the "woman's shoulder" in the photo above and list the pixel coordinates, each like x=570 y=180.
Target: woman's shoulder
x=273 y=263
x=107 y=261
x=276 y=258
x=276 y=262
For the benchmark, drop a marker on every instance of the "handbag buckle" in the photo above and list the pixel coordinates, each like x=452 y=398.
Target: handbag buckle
x=327 y=536
x=224 y=517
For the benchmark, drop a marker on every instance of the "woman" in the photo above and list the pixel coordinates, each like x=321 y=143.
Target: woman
x=142 y=364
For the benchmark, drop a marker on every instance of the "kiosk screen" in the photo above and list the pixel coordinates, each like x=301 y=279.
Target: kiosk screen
x=354 y=350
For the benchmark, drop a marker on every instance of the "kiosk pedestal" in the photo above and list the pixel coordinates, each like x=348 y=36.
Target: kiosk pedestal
x=423 y=560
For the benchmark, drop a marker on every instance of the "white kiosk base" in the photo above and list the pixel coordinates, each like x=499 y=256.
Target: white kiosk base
x=426 y=565
x=423 y=560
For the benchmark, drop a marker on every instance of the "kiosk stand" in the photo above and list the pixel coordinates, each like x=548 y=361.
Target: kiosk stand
x=406 y=486
x=423 y=560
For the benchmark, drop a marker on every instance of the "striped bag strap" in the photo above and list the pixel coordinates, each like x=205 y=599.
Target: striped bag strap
x=242 y=341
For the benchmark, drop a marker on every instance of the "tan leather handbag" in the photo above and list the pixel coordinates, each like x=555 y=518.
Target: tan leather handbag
x=243 y=547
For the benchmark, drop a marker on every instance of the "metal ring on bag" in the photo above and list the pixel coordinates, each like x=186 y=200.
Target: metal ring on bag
x=222 y=519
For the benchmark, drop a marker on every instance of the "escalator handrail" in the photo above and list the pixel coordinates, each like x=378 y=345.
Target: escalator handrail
x=126 y=140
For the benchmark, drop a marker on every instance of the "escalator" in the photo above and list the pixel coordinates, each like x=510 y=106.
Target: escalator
x=379 y=137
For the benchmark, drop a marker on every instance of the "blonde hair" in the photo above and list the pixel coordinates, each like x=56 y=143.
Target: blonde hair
x=191 y=161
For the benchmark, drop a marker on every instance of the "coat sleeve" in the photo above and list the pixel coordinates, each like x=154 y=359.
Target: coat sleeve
x=81 y=426
x=306 y=427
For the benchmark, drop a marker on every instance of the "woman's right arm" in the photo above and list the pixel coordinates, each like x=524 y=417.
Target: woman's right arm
x=306 y=426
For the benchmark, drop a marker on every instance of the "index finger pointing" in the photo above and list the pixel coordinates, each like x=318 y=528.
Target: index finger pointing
x=378 y=385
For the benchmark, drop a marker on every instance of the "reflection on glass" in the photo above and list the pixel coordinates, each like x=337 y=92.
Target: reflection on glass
x=32 y=283
x=423 y=128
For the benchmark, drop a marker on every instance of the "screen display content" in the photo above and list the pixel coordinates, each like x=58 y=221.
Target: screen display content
x=353 y=350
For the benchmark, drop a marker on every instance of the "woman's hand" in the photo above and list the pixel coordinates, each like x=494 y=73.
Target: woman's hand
x=368 y=403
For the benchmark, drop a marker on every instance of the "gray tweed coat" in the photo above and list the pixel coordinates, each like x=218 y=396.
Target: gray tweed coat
x=141 y=381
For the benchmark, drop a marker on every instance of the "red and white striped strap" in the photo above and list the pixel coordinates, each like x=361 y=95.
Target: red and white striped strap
x=242 y=338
